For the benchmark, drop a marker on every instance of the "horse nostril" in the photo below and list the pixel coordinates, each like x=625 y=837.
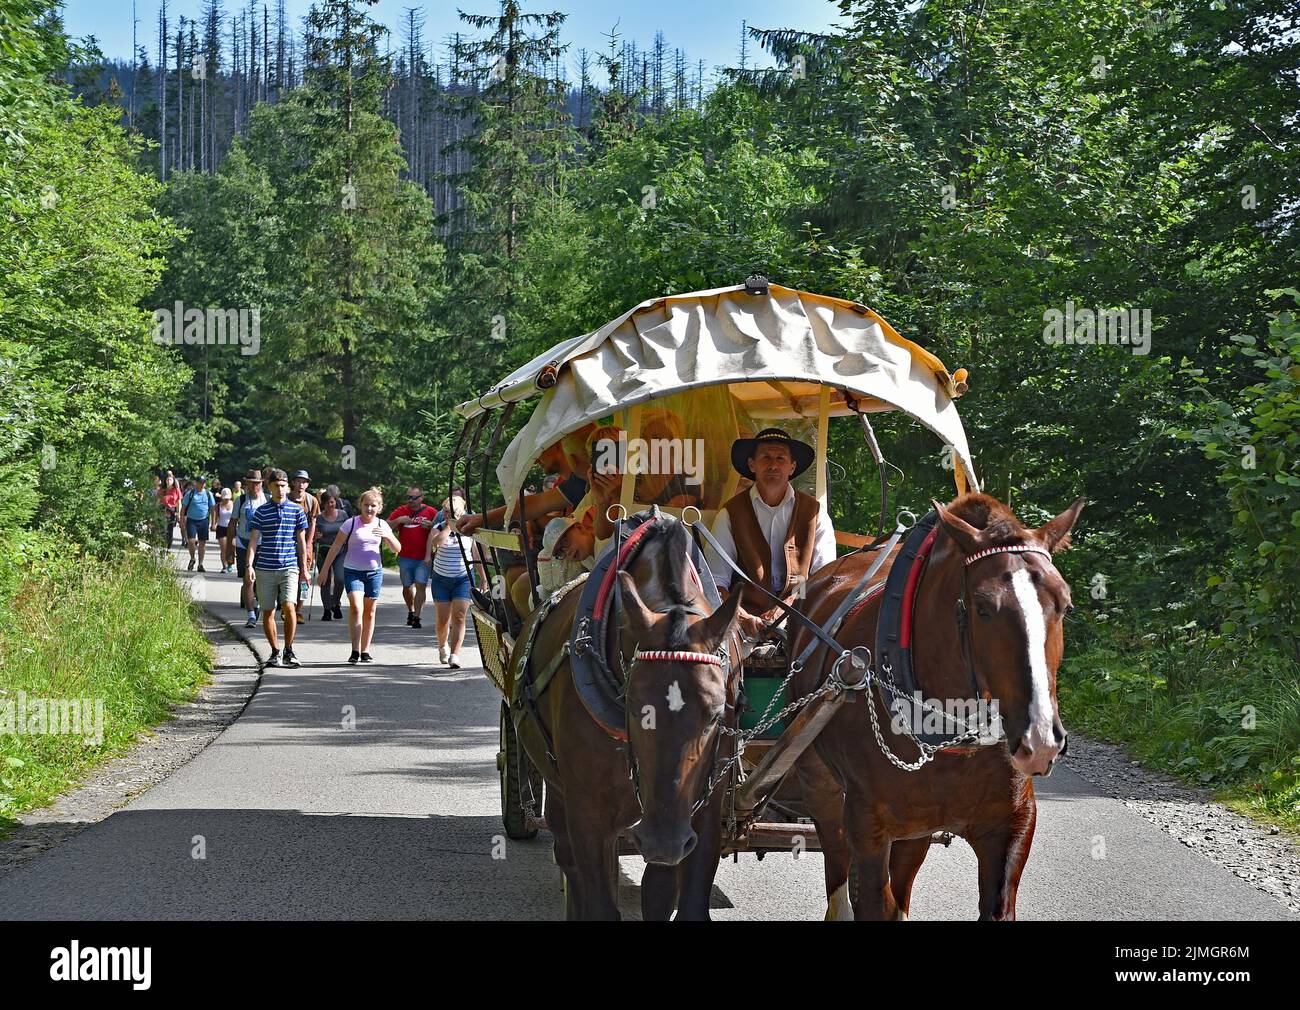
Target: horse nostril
x=1063 y=739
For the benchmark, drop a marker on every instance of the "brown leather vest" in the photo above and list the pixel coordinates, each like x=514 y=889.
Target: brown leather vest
x=753 y=554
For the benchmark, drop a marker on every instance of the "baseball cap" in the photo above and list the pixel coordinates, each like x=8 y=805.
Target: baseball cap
x=301 y=475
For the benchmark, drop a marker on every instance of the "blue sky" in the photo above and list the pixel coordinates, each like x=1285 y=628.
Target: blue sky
x=705 y=29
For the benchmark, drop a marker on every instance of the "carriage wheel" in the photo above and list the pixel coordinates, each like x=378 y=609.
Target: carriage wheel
x=511 y=759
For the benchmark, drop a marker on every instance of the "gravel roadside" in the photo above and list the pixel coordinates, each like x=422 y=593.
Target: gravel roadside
x=1259 y=854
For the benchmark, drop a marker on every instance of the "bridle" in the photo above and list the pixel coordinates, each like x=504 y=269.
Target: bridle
x=721 y=658
x=977 y=681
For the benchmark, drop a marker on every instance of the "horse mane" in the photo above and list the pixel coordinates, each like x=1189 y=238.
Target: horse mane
x=985 y=512
x=674 y=578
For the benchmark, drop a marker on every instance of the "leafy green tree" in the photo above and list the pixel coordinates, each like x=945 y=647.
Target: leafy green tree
x=353 y=264
x=1254 y=440
x=89 y=399
x=514 y=186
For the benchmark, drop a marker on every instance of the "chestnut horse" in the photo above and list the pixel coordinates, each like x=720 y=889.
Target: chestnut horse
x=675 y=705
x=986 y=565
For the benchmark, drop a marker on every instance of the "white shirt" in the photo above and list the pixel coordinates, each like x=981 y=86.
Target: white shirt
x=774 y=521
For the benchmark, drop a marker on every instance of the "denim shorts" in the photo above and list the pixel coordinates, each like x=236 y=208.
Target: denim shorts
x=355 y=581
x=449 y=587
x=414 y=571
x=196 y=529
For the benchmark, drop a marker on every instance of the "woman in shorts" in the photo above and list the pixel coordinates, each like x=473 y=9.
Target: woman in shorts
x=360 y=539
x=331 y=520
x=225 y=509
x=449 y=580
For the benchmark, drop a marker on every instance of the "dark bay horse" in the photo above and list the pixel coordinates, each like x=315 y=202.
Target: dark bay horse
x=676 y=700
x=870 y=811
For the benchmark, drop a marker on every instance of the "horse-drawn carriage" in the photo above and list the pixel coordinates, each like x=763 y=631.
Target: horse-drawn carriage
x=695 y=756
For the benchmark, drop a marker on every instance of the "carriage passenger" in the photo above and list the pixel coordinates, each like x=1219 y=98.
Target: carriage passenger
x=568 y=550
x=568 y=459
x=776 y=535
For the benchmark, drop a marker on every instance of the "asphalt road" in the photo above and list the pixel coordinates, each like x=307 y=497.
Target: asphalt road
x=298 y=817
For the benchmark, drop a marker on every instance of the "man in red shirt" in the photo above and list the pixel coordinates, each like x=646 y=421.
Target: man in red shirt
x=412 y=522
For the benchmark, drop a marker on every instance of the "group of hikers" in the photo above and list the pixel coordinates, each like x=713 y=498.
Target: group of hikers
x=272 y=532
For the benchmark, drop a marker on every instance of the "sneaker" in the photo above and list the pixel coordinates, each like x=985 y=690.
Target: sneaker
x=251 y=622
x=453 y=661
x=442 y=653
x=201 y=568
x=354 y=657
x=274 y=658
x=367 y=658
x=191 y=568
x=416 y=623
x=338 y=613
x=410 y=617
x=326 y=616
x=291 y=660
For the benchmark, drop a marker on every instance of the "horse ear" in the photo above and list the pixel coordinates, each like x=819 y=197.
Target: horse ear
x=717 y=626
x=1055 y=535
x=964 y=535
x=640 y=618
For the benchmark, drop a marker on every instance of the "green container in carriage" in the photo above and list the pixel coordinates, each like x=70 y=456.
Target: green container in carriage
x=759 y=690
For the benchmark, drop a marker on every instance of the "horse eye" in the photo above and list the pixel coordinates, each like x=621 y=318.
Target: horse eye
x=983 y=611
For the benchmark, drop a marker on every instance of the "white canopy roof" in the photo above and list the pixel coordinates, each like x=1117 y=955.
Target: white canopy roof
x=781 y=348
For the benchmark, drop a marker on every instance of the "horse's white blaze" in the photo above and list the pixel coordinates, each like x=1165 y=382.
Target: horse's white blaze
x=1039 y=735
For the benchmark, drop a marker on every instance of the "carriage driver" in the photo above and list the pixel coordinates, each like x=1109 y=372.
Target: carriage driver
x=776 y=535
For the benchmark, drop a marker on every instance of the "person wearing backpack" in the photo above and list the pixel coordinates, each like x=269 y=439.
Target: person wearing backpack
x=196 y=507
x=237 y=534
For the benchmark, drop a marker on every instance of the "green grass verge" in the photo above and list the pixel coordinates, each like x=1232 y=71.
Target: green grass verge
x=118 y=632
x=1197 y=706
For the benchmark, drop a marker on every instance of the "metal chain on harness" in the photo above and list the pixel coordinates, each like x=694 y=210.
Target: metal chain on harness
x=927 y=750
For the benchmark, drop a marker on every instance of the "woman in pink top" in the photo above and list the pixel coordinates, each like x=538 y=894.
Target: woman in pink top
x=169 y=498
x=363 y=569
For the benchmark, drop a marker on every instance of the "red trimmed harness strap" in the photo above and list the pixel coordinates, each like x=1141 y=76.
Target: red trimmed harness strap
x=676 y=656
x=1010 y=549
x=611 y=573
x=909 y=591
x=872 y=593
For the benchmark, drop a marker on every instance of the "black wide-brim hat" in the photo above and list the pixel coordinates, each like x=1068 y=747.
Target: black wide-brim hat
x=744 y=448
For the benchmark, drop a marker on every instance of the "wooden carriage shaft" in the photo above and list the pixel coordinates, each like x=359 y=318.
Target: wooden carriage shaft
x=801 y=732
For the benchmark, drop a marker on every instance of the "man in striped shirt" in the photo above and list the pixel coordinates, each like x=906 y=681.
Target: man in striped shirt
x=277 y=546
